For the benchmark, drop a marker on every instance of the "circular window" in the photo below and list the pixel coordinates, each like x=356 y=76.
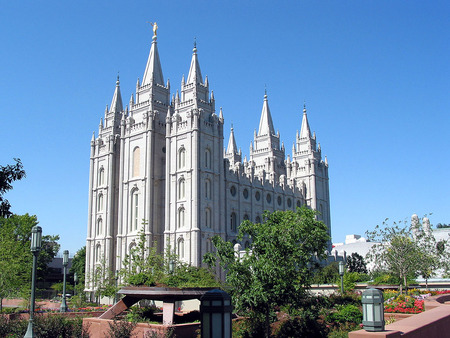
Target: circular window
x=246 y=217
x=258 y=219
x=257 y=195
x=233 y=190
x=299 y=204
x=268 y=198
x=245 y=193
x=289 y=202
x=279 y=200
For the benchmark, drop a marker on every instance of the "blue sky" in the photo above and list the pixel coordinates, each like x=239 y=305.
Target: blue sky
x=375 y=77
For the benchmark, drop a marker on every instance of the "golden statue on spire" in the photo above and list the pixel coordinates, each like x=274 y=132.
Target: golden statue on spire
x=155 y=27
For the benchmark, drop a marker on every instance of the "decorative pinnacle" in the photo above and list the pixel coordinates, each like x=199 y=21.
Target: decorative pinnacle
x=195 y=45
x=304 y=107
x=265 y=91
x=117 y=81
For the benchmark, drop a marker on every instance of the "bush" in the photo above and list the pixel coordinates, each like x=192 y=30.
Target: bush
x=307 y=326
x=347 y=313
x=121 y=329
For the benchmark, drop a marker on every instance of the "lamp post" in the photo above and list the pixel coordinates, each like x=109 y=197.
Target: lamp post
x=75 y=280
x=215 y=314
x=373 y=310
x=36 y=241
x=341 y=274
x=63 y=307
x=117 y=283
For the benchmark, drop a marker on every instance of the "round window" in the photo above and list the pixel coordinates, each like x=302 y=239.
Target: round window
x=268 y=198
x=245 y=193
x=289 y=202
x=279 y=200
x=257 y=195
x=233 y=190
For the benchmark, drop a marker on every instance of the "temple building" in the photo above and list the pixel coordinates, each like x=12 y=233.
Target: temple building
x=162 y=159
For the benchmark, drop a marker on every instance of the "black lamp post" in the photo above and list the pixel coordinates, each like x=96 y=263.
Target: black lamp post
x=215 y=314
x=341 y=274
x=36 y=241
x=63 y=307
x=373 y=310
x=75 y=280
x=117 y=284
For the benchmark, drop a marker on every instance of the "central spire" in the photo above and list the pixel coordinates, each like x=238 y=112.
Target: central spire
x=266 y=124
x=305 y=132
x=195 y=74
x=116 y=102
x=153 y=72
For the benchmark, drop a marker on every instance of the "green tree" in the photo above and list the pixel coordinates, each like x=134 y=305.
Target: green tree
x=9 y=174
x=405 y=251
x=356 y=263
x=79 y=267
x=16 y=257
x=275 y=271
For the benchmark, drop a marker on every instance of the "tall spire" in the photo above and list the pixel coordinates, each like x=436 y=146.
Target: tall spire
x=266 y=124
x=116 y=103
x=232 y=148
x=305 y=132
x=153 y=72
x=195 y=74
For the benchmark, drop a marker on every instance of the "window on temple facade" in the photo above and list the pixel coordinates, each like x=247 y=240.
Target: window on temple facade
x=208 y=189
x=134 y=217
x=181 y=217
x=208 y=158
x=101 y=177
x=99 y=226
x=181 y=248
x=181 y=158
x=233 y=222
x=181 y=188
x=136 y=162
x=100 y=202
x=208 y=217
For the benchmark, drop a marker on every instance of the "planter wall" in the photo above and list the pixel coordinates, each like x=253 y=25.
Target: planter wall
x=99 y=328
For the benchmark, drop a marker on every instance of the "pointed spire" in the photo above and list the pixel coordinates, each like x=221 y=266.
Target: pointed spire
x=206 y=81
x=232 y=149
x=305 y=132
x=195 y=75
x=131 y=103
x=116 y=103
x=266 y=124
x=221 y=113
x=138 y=84
x=153 y=72
x=183 y=81
x=212 y=95
x=326 y=161
x=93 y=136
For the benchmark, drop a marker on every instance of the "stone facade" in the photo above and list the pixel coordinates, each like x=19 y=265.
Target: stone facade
x=162 y=159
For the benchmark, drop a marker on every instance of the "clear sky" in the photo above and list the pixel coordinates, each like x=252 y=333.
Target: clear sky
x=375 y=77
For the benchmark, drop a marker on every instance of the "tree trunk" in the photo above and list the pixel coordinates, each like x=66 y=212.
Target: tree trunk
x=267 y=323
x=404 y=280
x=1 y=304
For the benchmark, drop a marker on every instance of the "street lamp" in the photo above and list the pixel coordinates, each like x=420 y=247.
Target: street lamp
x=117 y=283
x=215 y=314
x=75 y=280
x=63 y=307
x=36 y=241
x=373 y=310
x=341 y=274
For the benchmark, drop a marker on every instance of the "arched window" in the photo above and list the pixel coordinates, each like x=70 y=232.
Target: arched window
x=207 y=158
x=134 y=210
x=299 y=204
x=233 y=222
x=99 y=226
x=258 y=219
x=101 y=177
x=246 y=218
x=208 y=245
x=181 y=157
x=181 y=248
x=136 y=161
x=100 y=202
x=98 y=254
x=181 y=217
x=181 y=188
x=208 y=217
x=208 y=189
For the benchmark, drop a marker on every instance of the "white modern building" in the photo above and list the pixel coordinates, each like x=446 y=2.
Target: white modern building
x=162 y=159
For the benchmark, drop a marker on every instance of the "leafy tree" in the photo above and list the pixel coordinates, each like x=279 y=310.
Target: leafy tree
x=355 y=263
x=79 y=267
x=275 y=271
x=405 y=251
x=9 y=174
x=16 y=257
